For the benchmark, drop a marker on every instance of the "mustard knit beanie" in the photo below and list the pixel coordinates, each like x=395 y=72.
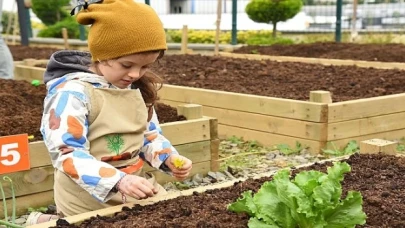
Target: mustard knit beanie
x=121 y=27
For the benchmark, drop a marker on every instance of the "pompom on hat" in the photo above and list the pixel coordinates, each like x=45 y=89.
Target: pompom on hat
x=120 y=28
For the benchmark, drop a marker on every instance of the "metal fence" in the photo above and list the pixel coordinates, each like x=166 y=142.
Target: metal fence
x=315 y=15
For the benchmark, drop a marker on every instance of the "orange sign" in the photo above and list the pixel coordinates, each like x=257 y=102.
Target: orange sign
x=14 y=153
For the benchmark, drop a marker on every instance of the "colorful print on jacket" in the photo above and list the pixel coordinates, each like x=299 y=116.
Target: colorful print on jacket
x=65 y=126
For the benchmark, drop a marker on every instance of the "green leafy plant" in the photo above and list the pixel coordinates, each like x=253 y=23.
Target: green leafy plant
x=235 y=140
x=265 y=40
x=274 y=11
x=208 y=36
x=401 y=145
x=5 y=221
x=351 y=148
x=39 y=209
x=50 y=11
x=5 y=17
x=311 y=200
x=55 y=30
x=287 y=150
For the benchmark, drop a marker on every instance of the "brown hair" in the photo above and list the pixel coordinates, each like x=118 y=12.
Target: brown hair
x=149 y=84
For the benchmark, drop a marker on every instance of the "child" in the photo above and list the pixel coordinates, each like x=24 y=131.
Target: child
x=98 y=130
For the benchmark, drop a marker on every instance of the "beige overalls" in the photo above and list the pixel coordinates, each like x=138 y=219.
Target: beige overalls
x=113 y=111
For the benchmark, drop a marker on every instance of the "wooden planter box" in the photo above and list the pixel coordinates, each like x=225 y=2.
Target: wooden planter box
x=77 y=219
x=195 y=138
x=273 y=120
x=336 y=62
x=317 y=123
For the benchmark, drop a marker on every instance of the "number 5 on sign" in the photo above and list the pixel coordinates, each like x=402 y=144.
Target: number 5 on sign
x=14 y=153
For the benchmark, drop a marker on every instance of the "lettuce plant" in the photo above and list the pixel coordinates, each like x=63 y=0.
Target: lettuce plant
x=311 y=200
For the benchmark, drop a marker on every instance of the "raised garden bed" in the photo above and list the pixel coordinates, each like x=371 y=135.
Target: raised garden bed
x=382 y=56
x=332 y=50
x=20 y=52
x=377 y=177
x=21 y=110
x=270 y=101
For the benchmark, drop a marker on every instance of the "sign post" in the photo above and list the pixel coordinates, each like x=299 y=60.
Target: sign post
x=14 y=153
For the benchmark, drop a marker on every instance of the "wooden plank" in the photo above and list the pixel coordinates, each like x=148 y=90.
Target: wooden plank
x=336 y=62
x=268 y=139
x=366 y=126
x=293 y=109
x=190 y=111
x=76 y=219
x=41 y=179
x=375 y=146
x=270 y=124
x=320 y=96
x=29 y=182
x=368 y=107
x=182 y=132
x=388 y=135
x=39 y=155
x=215 y=164
x=32 y=62
x=46 y=198
x=42 y=199
x=29 y=73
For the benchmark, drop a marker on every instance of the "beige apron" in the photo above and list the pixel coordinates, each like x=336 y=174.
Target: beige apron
x=117 y=122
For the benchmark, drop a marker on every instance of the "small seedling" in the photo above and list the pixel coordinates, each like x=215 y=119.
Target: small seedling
x=35 y=82
x=287 y=150
x=351 y=148
x=40 y=209
x=5 y=221
x=401 y=145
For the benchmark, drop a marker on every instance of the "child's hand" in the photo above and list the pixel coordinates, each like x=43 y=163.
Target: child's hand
x=137 y=187
x=179 y=165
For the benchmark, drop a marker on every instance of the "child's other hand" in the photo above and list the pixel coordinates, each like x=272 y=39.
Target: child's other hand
x=137 y=187
x=179 y=165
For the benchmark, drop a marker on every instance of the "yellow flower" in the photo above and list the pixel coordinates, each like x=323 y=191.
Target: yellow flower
x=178 y=163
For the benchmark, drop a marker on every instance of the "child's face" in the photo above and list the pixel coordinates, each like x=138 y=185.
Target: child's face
x=125 y=70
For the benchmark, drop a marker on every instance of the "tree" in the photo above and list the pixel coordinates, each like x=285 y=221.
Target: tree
x=274 y=11
x=50 y=11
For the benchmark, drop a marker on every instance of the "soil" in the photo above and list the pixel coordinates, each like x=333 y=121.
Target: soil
x=291 y=80
x=20 y=52
x=167 y=113
x=332 y=50
x=379 y=178
x=21 y=106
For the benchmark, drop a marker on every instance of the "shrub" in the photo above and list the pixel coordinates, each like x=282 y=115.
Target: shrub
x=5 y=17
x=274 y=11
x=56 y=30
x=262 y=40
x=50 y=11
x=244 y=37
